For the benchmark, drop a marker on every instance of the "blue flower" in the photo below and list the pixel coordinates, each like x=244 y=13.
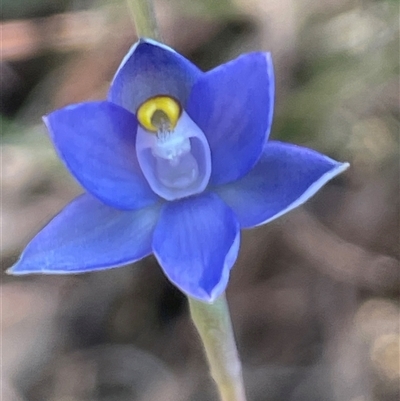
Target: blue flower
x=174 y=163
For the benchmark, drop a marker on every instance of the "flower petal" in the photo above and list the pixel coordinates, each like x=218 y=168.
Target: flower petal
x=233 y=105
x=284 y=178
x=96 y=141
x=88 y=235
x=196 y=242
x=150 y=69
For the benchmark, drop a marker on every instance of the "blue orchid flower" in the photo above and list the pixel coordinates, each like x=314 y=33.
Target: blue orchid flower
x=175 y=163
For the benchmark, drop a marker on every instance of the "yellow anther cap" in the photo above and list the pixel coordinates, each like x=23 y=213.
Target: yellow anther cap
x=149 y=113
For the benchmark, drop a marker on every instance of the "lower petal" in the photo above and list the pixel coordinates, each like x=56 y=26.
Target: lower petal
x=88 y=235
x=196 y=242
x=285 y=177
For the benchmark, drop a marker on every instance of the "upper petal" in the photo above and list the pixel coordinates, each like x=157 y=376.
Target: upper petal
x=196 y=242
x=284 y=178
x=88 y=235
x=233 y=105
x=149 y=69
x=96 y=141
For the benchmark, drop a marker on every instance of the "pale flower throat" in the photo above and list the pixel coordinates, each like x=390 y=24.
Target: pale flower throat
x=175 y=165
x=172 y=151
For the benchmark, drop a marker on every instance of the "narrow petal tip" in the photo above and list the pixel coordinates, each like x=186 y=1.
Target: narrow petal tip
x=10 y=271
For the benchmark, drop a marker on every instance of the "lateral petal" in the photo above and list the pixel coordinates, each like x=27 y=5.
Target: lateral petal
x=285 y=177
x=88 y=235
x=96 y=141
x=233 y=105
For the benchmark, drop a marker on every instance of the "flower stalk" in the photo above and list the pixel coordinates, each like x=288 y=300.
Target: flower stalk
x=144 y=19
x=215 y=329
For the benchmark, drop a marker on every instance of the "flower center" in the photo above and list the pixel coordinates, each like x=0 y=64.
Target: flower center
x=178 y=163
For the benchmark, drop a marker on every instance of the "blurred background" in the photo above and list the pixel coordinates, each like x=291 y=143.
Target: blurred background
x=314 y=295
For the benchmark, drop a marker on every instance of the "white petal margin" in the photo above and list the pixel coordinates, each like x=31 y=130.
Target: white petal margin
x=230 y=260
x=133 y=48
x=310 y=192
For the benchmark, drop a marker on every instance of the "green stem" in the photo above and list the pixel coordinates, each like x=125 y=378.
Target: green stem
x=144 y=18
x=215 y=328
